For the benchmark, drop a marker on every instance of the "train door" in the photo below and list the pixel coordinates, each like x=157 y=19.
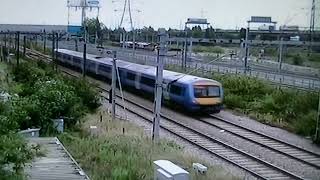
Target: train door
x=137 y=81
x=166 y=90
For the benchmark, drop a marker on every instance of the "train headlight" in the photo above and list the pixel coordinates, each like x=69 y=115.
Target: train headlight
x=194 y=101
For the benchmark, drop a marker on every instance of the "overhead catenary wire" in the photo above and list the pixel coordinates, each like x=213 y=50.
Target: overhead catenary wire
x=196 y=69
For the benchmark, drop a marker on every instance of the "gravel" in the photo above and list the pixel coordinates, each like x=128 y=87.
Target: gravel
x=256 y=150
x=278 y=133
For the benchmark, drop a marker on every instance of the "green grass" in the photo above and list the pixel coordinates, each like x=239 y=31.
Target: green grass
x=208 y=49
x=108 y=153
x=4 y=79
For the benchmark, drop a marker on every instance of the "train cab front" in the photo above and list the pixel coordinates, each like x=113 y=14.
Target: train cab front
x=207 y=97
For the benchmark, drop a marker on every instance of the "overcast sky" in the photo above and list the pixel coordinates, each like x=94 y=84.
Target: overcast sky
x=227 y=14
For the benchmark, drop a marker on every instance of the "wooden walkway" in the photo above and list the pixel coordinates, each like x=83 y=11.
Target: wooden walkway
x=57 y=163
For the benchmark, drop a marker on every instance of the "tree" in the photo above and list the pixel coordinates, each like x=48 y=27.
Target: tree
x=197 y=32
x=94 y=28
x=210 y=33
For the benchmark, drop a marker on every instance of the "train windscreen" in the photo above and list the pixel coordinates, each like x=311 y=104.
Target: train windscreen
x=206 y=91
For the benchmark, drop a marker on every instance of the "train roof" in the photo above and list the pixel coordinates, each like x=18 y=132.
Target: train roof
x=143 y=69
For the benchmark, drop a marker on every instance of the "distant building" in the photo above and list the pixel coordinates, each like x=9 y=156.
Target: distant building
x=33 y=28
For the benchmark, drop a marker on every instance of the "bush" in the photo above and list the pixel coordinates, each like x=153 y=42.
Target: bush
x=209 y=49
x=314 y=57
x=291 y=109
x=86 y=92
x=13 y=150
x=305 y=124
x=246 y=87
x=297 y=60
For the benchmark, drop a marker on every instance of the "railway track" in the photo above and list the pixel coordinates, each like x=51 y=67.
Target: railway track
x=237 y=157
x=250 y=163
x=291 y=151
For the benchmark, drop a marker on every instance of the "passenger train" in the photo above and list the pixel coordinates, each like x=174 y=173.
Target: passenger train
x=195 y=94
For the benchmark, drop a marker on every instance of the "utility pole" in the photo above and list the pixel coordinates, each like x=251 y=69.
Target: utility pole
x=312 y=24
x=134 y=43
x=185 y=53
x=113 y=84
x=280 y=59
x=24 y=45
x=158 y=93
x=17 y=48
x=57 y=47
x=317 y=136
x=84 y=59
x=246 y=51
x=53 y=47
x=280 y=55
x=57 y=41
x=44 y=41
x=76 y=44
x=5 y=40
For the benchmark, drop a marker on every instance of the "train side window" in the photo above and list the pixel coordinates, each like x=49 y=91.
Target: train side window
x=131 y=76
x=104 y=68
x=77 y=60
x=177 y=90
x=148 y=81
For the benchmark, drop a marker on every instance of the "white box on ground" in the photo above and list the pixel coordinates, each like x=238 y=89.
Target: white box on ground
x=58 y=124
x=166 y=170
x=162 y=175
x=199 y=168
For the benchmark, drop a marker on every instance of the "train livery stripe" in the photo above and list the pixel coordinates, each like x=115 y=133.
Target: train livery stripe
x=208 y=101
x=204 y=83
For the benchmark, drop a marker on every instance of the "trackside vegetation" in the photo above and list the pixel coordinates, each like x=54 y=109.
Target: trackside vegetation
x=120 y=150
x=33 y=94
x=291 y=109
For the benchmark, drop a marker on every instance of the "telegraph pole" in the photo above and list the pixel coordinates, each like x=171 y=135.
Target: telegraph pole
x=280 y=55
x=113 y=84
x=53 y=47
x=246 y=51
x=5 y=40
x=44 y=41
x=185 y=53
x=84 y=59
x=24 y=45
x=17 y=48
x=158 y=93
x=312 y=25
x=317 y=135
x=134 y=43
